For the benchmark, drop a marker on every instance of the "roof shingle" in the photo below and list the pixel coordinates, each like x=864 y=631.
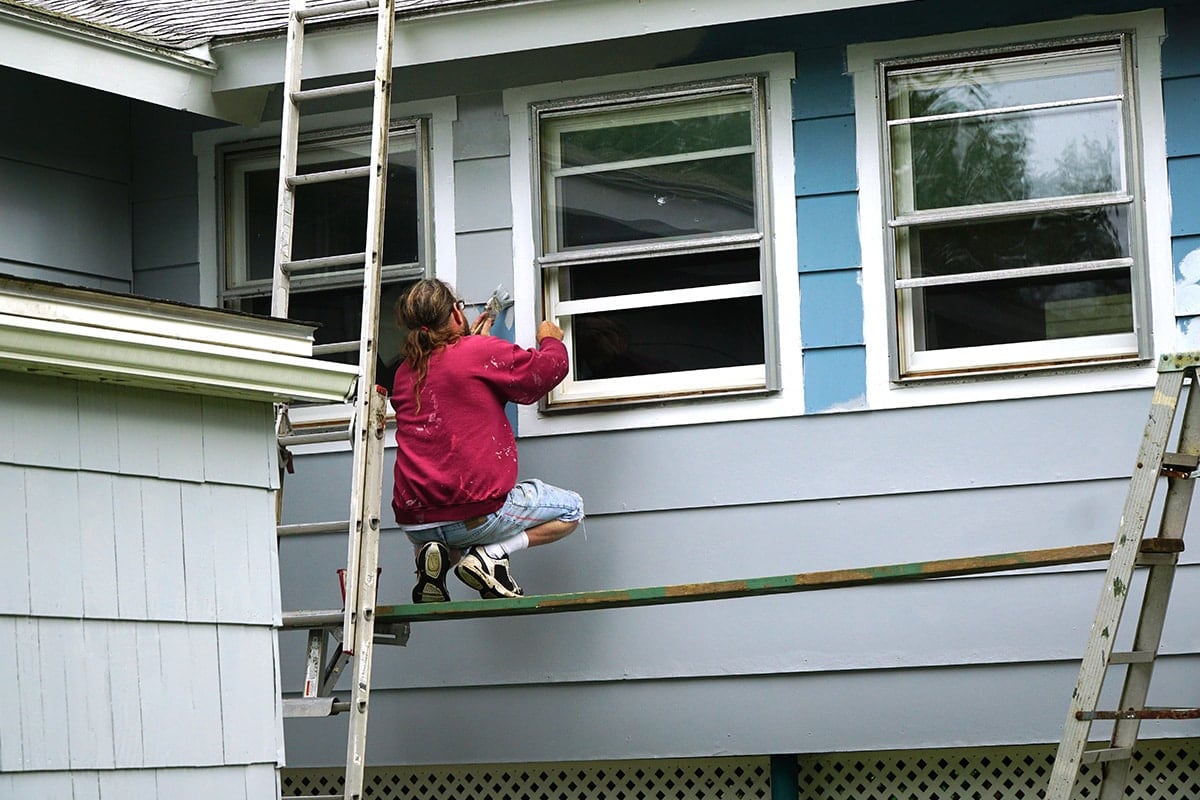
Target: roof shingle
x=182 y=25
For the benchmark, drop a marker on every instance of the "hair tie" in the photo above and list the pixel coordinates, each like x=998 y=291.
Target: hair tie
x=425 y=328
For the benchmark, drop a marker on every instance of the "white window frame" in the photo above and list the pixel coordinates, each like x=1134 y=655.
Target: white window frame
x=265 y=154
x=439 y=114
x=779 y=231
x=1154 y=282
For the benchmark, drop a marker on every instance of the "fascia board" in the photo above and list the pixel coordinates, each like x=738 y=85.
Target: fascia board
x=46 y=45
x=497 y=30
x=81 y=352
x=88 y=335
x=102 y=311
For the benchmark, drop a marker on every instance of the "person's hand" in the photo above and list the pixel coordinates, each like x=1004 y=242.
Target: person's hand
x=548 y=329
x=483 y=324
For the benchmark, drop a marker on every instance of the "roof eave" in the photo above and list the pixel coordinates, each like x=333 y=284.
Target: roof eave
x=487 y=28
x=50 y=330
x=87 y=55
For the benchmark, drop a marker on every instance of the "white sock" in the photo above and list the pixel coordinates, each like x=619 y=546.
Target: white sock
x=509 y=546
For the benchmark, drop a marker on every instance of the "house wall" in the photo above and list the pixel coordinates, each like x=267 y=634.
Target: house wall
x=97 y=190
x=963 y=662
x=137 y=600
x=64 y=183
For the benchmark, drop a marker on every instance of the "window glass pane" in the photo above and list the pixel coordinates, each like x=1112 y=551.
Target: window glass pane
x=1008 y=157
x=661 y=171
x=1035 y=241
x=660 y=201
x=331 y=217
x=1033 y=309
x=665 y=273
x=609 y=143
x=673 y=338
x=991 y=85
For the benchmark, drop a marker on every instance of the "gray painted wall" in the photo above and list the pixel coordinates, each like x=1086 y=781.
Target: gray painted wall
x=137 y=599
x=97 y=190
x=993 y=657
x=963 y=662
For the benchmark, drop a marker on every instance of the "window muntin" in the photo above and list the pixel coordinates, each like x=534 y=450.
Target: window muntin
x=331 y=220
x=1011 y=211
x=652 y=248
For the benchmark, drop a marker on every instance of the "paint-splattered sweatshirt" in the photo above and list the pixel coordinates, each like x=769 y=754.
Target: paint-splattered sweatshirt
x=456 y=458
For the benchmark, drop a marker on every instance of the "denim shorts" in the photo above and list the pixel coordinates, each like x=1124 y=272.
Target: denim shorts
x=529 y=504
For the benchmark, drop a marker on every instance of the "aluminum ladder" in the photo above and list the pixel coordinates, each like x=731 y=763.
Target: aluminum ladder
x=356 y=632
x=1159 y=555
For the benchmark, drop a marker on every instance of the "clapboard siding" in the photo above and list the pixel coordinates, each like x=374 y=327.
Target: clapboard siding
x=138 y=592
x=228 y=783
x=165 y=204
x=65 y=222
x=789 y=713
x=104 y=428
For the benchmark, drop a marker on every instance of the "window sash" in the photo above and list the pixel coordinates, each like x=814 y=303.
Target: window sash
x=905 y=303
x=404 y=137
x=549 y=121
x=684 y=102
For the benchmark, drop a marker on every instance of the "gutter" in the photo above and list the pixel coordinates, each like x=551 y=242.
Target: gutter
x=49 y=329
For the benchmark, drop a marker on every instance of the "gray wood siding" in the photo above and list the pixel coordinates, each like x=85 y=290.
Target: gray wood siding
x=139 y=593
x=763 y=498
x=64 y=183
x=165 y=204
x=98 y=190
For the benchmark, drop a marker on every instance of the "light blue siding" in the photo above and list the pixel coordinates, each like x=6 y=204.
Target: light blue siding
x=835 y=378
x=827 y=232
x=1181 y=103
x=825 y=155
x=822 y=87
x=1182 y=42
x=834 y=316
x=1184 y=174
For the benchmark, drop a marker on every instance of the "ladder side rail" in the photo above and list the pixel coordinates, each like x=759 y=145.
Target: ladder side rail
x=1134 y=516
x=364 y=642
x=372 y=277
x=1148 y=634
x=289 y=141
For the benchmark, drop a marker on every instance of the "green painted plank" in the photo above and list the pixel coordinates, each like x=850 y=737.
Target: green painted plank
x=720 y=590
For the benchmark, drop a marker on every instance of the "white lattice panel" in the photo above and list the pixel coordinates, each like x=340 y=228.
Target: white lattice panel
x=704 y=779
x=1163 y=770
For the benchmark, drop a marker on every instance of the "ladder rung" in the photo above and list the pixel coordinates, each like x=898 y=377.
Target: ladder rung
x=1140 y=713
x=316 y=437
x=340 y=90
x=311 y=619
x=1132 y=657
x=327 y=176
x=331 y=9
x=303 y=528
x=323 y=262
x=336 y=347
x=1161 y=544
x=1179 y=465
x=1101 y=754
x=313 y=706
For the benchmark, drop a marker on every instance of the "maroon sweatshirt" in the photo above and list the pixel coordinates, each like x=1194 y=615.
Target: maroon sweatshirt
x=456 y=458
